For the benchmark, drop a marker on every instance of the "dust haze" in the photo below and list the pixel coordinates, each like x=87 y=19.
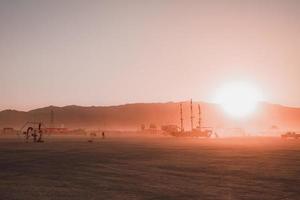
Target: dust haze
x=154 y=100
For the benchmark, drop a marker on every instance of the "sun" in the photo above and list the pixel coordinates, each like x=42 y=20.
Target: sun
x=239 y=99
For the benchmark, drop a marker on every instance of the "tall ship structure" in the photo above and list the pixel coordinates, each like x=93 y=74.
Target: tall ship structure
x=199 y=131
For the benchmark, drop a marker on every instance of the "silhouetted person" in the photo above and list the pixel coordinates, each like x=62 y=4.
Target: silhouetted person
x=40 y=133
x=103 y=135
x=40 y=136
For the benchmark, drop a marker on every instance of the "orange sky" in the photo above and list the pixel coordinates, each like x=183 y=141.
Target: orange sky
x=115 y=52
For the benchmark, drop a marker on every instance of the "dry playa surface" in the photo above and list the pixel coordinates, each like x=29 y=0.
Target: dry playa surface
x=149 y=168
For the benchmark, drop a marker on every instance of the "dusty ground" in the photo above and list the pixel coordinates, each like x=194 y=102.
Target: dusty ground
x=150 y=168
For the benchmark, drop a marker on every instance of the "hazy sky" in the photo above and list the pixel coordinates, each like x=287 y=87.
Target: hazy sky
x=88 y=52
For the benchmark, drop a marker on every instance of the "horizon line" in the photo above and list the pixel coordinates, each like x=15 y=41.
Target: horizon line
x=132 y=103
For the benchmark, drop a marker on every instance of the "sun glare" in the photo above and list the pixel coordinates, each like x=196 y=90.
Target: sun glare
x=238 y=99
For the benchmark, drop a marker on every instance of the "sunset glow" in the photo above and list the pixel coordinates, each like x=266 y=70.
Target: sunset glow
x=238 y=99
x=157 y=99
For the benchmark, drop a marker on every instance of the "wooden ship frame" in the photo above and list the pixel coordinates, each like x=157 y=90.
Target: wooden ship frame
x=199 y=131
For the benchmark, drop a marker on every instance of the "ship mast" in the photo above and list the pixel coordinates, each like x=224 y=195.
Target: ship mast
x=199 y=122
x=192 y=123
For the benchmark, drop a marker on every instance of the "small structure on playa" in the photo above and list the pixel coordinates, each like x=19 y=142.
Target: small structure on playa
x=292 y=135
x=33 y=130
x=8 y=131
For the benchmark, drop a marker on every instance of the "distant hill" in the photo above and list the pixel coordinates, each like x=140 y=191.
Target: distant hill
x=131 y=116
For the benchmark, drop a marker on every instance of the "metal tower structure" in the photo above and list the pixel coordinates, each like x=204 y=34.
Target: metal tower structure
x=181 y=119
x=52 y=119
x=192 y=117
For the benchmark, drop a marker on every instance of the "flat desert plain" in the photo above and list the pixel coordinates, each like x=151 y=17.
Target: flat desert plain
x=149 y=168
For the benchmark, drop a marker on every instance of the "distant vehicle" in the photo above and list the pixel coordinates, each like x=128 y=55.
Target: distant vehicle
x=195 y=133
x=170 y=128
x=152 y=129
x=290 y=135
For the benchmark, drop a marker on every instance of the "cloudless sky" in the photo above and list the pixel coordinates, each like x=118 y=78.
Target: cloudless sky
x=60 y=52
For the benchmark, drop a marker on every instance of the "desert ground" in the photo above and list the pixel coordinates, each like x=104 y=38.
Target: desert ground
x=136 y=167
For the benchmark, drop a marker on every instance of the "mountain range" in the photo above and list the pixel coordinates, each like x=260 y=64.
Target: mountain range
x=131 y=116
